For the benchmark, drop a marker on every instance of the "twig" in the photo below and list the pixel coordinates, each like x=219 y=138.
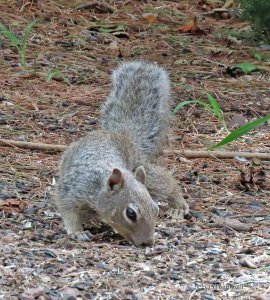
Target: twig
x=186 y=153
x=249 y=216
x=218 y=154
x=32 y=146
x=215 y=62
x=229 y=223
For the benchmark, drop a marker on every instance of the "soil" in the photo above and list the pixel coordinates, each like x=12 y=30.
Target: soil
x=222 y=250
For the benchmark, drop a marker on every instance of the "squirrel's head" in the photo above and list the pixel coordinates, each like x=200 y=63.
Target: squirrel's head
x=132 y=213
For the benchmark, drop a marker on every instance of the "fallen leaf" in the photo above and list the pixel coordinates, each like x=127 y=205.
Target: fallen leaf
x=191 y=27
x=242 y=68
x=252 y=176
x=150 y=17
x=237 y=121
x=12 y=205
x=230 y=223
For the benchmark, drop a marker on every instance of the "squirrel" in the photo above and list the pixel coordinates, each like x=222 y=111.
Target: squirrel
x=111 y=174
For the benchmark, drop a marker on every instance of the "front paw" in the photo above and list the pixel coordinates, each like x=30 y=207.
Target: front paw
x=176 y=213
x=179 y=210
x=81 y=236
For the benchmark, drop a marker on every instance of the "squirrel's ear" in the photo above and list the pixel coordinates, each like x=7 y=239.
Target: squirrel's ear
x=116 y=180
x=140 y=174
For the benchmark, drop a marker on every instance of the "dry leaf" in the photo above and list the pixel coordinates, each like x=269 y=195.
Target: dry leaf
x=252 y=176
x=237 y=121
x=12 y=205
x=150 y=17
x=191 y=27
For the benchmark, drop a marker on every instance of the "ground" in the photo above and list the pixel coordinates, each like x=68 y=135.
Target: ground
x=222 y=250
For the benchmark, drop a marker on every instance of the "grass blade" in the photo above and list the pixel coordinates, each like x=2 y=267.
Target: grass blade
x=241 y=131
x=215 y=106
x=9 y=35
x=26 y=31
x=55 y=73
x=217 y=111
x=180 y=105
x=205 y=105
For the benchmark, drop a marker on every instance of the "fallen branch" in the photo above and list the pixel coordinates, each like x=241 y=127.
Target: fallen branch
x=218 y=154
x=32 y=146
x=186 y=153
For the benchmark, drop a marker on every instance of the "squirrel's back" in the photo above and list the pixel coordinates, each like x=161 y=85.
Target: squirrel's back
x=138 y=105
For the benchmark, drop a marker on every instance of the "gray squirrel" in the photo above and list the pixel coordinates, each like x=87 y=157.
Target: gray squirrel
x=111 y=174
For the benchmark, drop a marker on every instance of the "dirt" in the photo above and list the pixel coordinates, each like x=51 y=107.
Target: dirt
x=222 y=250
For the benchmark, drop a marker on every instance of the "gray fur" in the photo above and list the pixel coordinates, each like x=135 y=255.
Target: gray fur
x=109 y=170
x=139 y=105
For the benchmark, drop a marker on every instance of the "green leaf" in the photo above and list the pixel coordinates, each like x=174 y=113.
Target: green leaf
x=257 y=56
x=20 y=44
x=112 y=28
x=9 y=35
x=241 y=131
x=217 y=111
x=26 y=31
x=180 y=105
x=246 y=67
x=260 y=56
x=215 y=106
x=55 y=73
x=205 y=105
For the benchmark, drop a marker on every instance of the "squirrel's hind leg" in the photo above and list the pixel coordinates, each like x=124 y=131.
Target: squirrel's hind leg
x=163 y=187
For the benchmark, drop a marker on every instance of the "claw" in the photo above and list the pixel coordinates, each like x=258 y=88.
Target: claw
x=82 y=236
x=180 y=212
x=176 y=214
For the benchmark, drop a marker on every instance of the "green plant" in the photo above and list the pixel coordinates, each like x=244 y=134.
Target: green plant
x=245 y=67
x=241 y=131
x=214 y=108
x=261 y=56
x=19 y=43
x=55 y=73
x=257 y=13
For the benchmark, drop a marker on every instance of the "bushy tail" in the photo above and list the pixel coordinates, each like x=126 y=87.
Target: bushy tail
x=138 y=105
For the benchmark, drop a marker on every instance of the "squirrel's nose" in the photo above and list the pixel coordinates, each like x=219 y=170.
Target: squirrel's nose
x=148 y=243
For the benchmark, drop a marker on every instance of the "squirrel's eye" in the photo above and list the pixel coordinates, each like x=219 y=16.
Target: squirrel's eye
x=131 y=214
